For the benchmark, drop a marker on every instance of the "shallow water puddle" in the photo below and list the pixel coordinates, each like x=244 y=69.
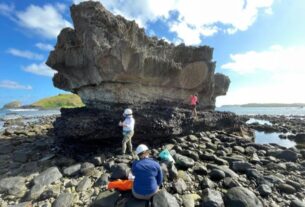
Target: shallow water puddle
x=267 y=138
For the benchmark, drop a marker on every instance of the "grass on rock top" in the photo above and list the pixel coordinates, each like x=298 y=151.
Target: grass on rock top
x=59 y=101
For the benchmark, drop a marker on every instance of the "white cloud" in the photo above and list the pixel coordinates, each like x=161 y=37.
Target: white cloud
x=46 y=20
x=44 y=46
x=139 y=10
x=39 y=69
x=196 y=18
x=284 y=67
x=25 y=54
x=61 y=7
x=276 y=59
x=6 y=10
x=14 y=85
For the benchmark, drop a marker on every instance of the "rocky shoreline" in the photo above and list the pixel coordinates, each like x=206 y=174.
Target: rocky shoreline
x=213 y=168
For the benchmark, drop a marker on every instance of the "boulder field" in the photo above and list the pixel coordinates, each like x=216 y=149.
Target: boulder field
x=212 y=168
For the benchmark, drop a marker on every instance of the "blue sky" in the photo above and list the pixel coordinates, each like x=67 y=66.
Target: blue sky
x=259 y=44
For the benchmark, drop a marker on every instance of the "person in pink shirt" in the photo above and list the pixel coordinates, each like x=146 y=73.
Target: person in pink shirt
x=193 y=103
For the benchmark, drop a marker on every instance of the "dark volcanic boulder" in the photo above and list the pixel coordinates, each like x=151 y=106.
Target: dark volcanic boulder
x=164 y=199
x=287 y=155
x=241 y=197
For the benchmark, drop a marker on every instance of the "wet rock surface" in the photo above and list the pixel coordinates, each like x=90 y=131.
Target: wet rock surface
x=213 y=171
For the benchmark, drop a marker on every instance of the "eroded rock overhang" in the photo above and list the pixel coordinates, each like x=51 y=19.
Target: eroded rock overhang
x=107 y=58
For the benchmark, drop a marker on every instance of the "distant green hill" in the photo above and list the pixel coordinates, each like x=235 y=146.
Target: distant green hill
x=59 y=101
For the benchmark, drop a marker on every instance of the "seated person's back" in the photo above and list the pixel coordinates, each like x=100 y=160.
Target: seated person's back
x=147 y=176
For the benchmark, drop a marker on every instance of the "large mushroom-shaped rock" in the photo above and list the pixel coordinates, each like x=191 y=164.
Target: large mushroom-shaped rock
x=107 y=58
x=111 y=64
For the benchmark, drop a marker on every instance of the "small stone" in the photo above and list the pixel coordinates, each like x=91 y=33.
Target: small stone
x=13 y=186
x=250 y=150
x=264 y=190
x=63 y=200
x=297 y=203
x=229 y=182
x=241 y=197
x=200 y=169
x=212 y=198
x=185 y=176
x=35 y=192
x=98 y=160
x=103 y=180
x=48 y=176
x=72 y=170
x=84 y=185
x=172 y=172
x=193 y=138
x=133 y=202
x=239 y=149
x=120 y=171
x=217 y=175
x=241 y=166
x=180 y=186
x=86 y=166
x=228 y=172
x=285 y=188
x=165 y=199
x=106 y=199
x=188 y=200
x=207 y=183
x=287 y=155
x=183 y=161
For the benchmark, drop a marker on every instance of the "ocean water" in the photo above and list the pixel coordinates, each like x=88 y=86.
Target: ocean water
x=286 y=111
x=29 y=114
x=260 y=137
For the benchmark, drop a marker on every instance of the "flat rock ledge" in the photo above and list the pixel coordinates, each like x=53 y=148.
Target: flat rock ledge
x=154 y=123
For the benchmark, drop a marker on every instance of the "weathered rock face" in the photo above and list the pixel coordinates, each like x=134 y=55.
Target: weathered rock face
x=112 y=64
x=106 y=58
x=154 y=123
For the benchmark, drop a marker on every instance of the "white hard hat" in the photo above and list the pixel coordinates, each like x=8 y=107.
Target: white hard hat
x=127 y=111
x=141 y=148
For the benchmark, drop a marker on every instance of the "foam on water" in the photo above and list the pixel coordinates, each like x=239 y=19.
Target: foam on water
x=259 y=121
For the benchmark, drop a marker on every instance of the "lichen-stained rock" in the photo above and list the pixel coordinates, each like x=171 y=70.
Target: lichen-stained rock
x=107 y=58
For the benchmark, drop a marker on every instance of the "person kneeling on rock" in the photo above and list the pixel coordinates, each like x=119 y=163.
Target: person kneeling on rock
x=148 y=175
x=128 y=130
